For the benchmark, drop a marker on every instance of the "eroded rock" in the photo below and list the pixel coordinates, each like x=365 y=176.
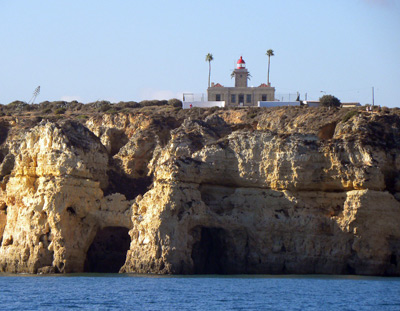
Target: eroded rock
x=234 y=191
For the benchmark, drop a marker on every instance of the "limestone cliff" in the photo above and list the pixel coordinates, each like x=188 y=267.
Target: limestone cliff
x=286 y=190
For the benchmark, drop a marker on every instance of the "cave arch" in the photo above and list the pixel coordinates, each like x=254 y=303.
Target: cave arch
x=211 y=252
x=107 y=253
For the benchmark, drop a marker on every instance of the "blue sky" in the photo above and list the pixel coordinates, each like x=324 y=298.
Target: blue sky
x=134 y=50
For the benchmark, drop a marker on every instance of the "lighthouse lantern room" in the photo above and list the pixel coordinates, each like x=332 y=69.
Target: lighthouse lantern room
x=241 y=64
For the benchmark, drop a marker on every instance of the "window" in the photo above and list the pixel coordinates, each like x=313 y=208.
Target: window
x=218 y=97
x=248 y=98
x=263 y=97
x=233 y=98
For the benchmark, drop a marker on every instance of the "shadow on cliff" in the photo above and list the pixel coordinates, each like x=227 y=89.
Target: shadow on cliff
x=107 y=253
x=130 y=187
x=215 y=251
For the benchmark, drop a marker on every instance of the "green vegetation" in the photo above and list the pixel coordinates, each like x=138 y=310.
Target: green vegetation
x=127 y=105
x=47 y=110
x=56 y=109
x=100 y=105
x=175 y=102
x=349 y=115
x=147 y=103
x=321 y=121
x=18 y=105
x=209 y=59
x=252 y=115
x=269 y=54
x=112 y=110
x=60 y=110
x=329 y=101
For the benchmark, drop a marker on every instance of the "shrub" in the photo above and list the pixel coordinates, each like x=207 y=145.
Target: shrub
x=47 y=111
x=54 y=105
x=112 y=110
x=125 y=105
x=100 y=105
x=18 y=105
x=105 y=107
x=147 y=103
x=329 y=101
x=252 y=115
x=349 y=115
x=59 y=104
x=213 y=109
x=60 y=111
x=175 y=102
x=74 y=105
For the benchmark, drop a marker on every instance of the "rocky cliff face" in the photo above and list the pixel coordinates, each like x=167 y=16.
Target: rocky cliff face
x=286 y=190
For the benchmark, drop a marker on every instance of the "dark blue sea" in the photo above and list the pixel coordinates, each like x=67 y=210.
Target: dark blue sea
x=144 y=292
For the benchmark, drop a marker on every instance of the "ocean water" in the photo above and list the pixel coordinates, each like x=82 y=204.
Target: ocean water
x=148 y=292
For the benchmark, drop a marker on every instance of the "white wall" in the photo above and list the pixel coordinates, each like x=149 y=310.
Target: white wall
x=277 y=104
x=186 y=105
x=311 y=103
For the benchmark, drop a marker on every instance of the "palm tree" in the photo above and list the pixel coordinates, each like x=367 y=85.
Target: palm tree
x=269 y=53
x=209 y=58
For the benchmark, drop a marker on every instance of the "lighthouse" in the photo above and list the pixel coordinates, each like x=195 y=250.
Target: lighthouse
x=240 y=95
x=240 y=73
x=241 y=64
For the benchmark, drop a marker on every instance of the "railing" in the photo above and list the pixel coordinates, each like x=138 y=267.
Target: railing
x=193 y=97
x=286 y=97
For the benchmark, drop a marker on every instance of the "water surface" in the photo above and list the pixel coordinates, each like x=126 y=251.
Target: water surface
x=149 y=292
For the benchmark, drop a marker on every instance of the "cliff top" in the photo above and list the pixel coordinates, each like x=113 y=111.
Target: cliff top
x=321 y=121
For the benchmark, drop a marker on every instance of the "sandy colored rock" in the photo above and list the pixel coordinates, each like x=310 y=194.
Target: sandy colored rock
x=54 y=200
x=288 y=190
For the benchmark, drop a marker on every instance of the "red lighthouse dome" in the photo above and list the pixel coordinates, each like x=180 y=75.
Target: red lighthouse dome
x=241 y=63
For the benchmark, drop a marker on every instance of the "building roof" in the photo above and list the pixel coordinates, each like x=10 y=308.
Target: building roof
x=241 y=61
x=263 y=85
x=218 y=85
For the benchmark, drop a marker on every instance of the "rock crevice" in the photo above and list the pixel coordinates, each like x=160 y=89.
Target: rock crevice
x=284 y=190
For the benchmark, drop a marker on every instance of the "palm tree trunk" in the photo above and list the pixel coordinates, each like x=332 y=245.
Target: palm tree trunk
x=269 y=57
x=209 y=73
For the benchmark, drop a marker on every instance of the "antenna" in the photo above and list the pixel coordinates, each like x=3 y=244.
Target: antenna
x=35 y=94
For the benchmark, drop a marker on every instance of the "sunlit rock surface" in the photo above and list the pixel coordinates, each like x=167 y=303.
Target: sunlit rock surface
x=285 y=190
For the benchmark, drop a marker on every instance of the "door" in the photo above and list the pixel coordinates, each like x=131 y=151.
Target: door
x=241 y=99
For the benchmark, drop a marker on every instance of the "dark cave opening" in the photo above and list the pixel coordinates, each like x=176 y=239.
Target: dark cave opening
x=107 y=254
x=210 y=253
x=393 y=259
x=130 y=187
